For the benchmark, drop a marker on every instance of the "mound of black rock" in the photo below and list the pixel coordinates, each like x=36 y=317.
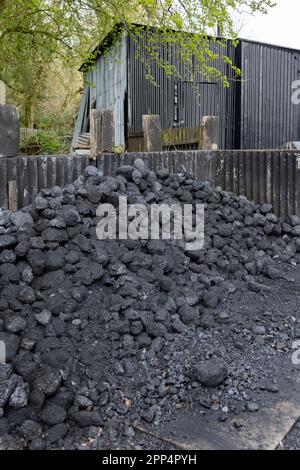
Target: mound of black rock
x=79 y=316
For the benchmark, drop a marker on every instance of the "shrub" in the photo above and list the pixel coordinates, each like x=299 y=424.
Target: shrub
x=45 y=143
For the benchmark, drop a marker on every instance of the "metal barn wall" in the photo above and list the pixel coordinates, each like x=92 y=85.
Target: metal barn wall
x=106 y=84
x=268 y=116
x=194 y=100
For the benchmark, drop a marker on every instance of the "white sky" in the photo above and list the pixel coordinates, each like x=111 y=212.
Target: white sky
x=280 y=26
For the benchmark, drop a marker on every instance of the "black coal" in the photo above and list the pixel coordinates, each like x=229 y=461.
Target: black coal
x=84 y=320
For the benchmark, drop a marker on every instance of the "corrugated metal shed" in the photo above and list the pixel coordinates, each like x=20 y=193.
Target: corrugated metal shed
x=255 y=113
x=179 y=101
x=268 y=118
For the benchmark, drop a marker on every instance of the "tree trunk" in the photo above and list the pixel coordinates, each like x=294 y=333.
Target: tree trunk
x=31 y=101
x=29 y=112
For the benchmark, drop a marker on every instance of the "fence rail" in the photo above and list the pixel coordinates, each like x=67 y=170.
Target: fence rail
x=25 y=133
x=262 y=176
x=180 y=139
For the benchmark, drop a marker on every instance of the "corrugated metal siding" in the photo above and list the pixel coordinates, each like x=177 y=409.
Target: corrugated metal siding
x=260 y=175
x=107 y=84
x=194 y=99
x=255 y=114
x=268 y=116
x=111 y=85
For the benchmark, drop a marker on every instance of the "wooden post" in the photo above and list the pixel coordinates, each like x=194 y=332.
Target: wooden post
x=107 y=131
x=95 y=126
x=209 y=133
x=2 y=92
x=12 y=196
x=102 y=131
x=152 y=133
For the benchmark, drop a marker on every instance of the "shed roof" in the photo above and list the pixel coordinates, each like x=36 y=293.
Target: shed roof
x=120 y=27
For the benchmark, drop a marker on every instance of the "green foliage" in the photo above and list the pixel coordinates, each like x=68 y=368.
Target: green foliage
x=57 y=123
x=48 y=142
x=45 y=143
x=35 y=34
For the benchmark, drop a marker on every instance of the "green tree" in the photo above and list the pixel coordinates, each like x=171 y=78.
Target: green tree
x=34 y=34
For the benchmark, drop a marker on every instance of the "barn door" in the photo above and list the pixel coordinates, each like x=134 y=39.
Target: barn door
x=195 y=100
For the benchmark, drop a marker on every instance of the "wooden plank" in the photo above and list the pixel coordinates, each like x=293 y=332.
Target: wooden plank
x=102 y=132
x=42 y=173
x=95 y=133
x=69 y=173
x=84 y=163
x=276 y=182
x=291 y=184
x=77 y=166
x=283 y=183
x=51 y=172
x=268 y=170
x=235 y=172
x=13 y=175
x=82 y=147
x=3 y=183
x=218 y=169
x=262 y=177
x=135 y=144
x=23 y=180
x=227 y=172
x=248 y=175
x=32 y=178
x=183 y=138
x=255 y=176
x=59 y=171
x=12 y=196
x=210 y=132
x=152 y=133
x=20 y=178
x=241 y=176
x=99 y=162
x=107 y=131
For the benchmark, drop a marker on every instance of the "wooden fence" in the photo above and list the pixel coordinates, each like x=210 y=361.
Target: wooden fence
x=25 y=133
x=262 y=176
x=181 y=138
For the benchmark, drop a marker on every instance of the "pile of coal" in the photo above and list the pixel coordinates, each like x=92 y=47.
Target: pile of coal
x=78 y=314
